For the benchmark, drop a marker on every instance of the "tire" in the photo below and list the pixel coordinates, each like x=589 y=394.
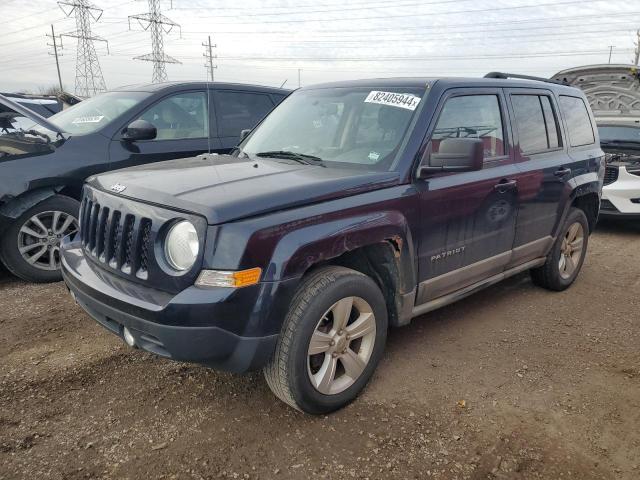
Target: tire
x=555 y=273
x=43 y=242
x=294 y=374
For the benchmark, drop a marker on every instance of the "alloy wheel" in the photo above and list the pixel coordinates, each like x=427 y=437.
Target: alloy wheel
x=571 y=250
x=341 y=345
x=39 y=238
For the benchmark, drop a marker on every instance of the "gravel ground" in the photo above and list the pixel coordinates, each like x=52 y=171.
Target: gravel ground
x=514 y=382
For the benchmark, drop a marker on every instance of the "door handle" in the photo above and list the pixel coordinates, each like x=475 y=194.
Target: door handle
x=505 y=185
x=562 y=172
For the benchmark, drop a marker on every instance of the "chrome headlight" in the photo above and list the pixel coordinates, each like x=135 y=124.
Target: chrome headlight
x=181 y=246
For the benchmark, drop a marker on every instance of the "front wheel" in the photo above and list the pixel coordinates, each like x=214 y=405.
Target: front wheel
x=30 y=247
x=331 y=342
x=567 y=254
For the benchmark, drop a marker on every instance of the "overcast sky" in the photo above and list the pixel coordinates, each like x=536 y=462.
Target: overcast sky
x=267 y=42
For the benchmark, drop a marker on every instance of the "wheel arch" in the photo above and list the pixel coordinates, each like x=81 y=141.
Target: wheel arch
x=379 y=247
x=589 y=203
x=585 y=195
x=17 y=206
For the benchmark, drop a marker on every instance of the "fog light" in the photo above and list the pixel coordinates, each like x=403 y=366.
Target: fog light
x=128 y=337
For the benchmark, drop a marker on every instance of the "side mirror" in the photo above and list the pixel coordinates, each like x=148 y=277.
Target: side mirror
x=244 y=133
x=139 y=130
x=454 y=155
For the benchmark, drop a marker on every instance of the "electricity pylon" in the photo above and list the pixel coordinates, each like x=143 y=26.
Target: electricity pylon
x=89 y=79
x=158 y=24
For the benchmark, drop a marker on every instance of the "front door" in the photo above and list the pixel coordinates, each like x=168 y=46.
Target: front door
x=468 y=219
x=182 y=123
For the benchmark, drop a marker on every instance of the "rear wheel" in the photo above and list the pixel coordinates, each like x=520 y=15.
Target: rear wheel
x=30 y=248
x=567 y=254
x=331 y=342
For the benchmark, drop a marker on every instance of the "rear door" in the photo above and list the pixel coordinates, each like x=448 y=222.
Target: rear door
x=238 y=110
x=182 y=121
x=468 y=219
x=545 y=168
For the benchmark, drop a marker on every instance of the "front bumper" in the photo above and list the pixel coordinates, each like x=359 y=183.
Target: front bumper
x=227 y=329
x=622 y=197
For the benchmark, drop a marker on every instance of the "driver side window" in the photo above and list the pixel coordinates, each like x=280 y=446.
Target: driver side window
x=180 y=116
x=471 y=116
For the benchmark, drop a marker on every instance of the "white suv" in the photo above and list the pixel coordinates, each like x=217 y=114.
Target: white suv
x=621 y=192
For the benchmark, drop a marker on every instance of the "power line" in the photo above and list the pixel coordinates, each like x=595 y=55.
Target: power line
x=89 y=79
x=158 y=24
x=422 y=58
x=381 y=30
x=413 y=14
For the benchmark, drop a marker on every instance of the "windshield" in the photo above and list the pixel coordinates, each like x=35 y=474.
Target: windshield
x=94 y=113
x=620 y=134
x=356 y=127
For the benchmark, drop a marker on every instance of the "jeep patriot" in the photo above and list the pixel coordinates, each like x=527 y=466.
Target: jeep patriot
x=353 y=207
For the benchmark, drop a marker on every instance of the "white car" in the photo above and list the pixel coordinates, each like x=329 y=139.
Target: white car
x=621 y=192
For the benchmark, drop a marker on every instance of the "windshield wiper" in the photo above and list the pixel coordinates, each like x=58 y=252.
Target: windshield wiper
x=36 y=133
x=298 y=157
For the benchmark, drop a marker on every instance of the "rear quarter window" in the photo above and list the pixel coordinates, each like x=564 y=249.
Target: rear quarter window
x=578 y=122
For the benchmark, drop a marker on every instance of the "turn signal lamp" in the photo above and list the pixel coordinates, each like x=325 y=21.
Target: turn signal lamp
x=220 y=278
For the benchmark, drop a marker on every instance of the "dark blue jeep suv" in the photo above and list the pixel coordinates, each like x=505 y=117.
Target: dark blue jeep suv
x=353 y=207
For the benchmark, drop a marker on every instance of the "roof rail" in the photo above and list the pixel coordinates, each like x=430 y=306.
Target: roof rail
x=523 y=77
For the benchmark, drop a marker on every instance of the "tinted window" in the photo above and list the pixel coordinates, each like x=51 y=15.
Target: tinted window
x=551 y=122
x=180 y=116
x=278 y=97
x=473 y=116
x=536 y=123
x=578 y=121
x=237 y=111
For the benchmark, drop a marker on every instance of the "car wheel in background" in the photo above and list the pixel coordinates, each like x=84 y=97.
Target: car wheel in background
x=331 y=342
x=567 y=254
x=30 y=248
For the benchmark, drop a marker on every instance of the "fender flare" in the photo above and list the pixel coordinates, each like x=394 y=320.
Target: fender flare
x=17 y=206
x=586 y=184
x=304 y=248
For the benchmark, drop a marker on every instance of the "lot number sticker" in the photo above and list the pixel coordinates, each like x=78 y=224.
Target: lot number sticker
x=88 y=119
x=401 y=100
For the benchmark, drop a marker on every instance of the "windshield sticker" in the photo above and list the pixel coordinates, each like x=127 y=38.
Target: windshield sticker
x=88 y=119
x=401 y=100
x=374 y=156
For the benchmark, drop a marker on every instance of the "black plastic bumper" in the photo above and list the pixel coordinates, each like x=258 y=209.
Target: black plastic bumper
x=115 y=309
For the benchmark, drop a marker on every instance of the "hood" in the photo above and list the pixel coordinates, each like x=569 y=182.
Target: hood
x=223 y=188
x=9 y=107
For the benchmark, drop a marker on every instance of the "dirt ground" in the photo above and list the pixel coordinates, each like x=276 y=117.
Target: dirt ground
x=514 y=382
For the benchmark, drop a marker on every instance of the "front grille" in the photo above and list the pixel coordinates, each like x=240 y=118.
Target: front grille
x=119 y=235
x=610 y=175
x=117 y=239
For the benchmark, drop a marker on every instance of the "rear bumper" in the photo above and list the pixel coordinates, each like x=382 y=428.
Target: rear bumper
x=190 y=326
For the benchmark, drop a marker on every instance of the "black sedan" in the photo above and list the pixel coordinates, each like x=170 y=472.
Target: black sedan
x=43 y=162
